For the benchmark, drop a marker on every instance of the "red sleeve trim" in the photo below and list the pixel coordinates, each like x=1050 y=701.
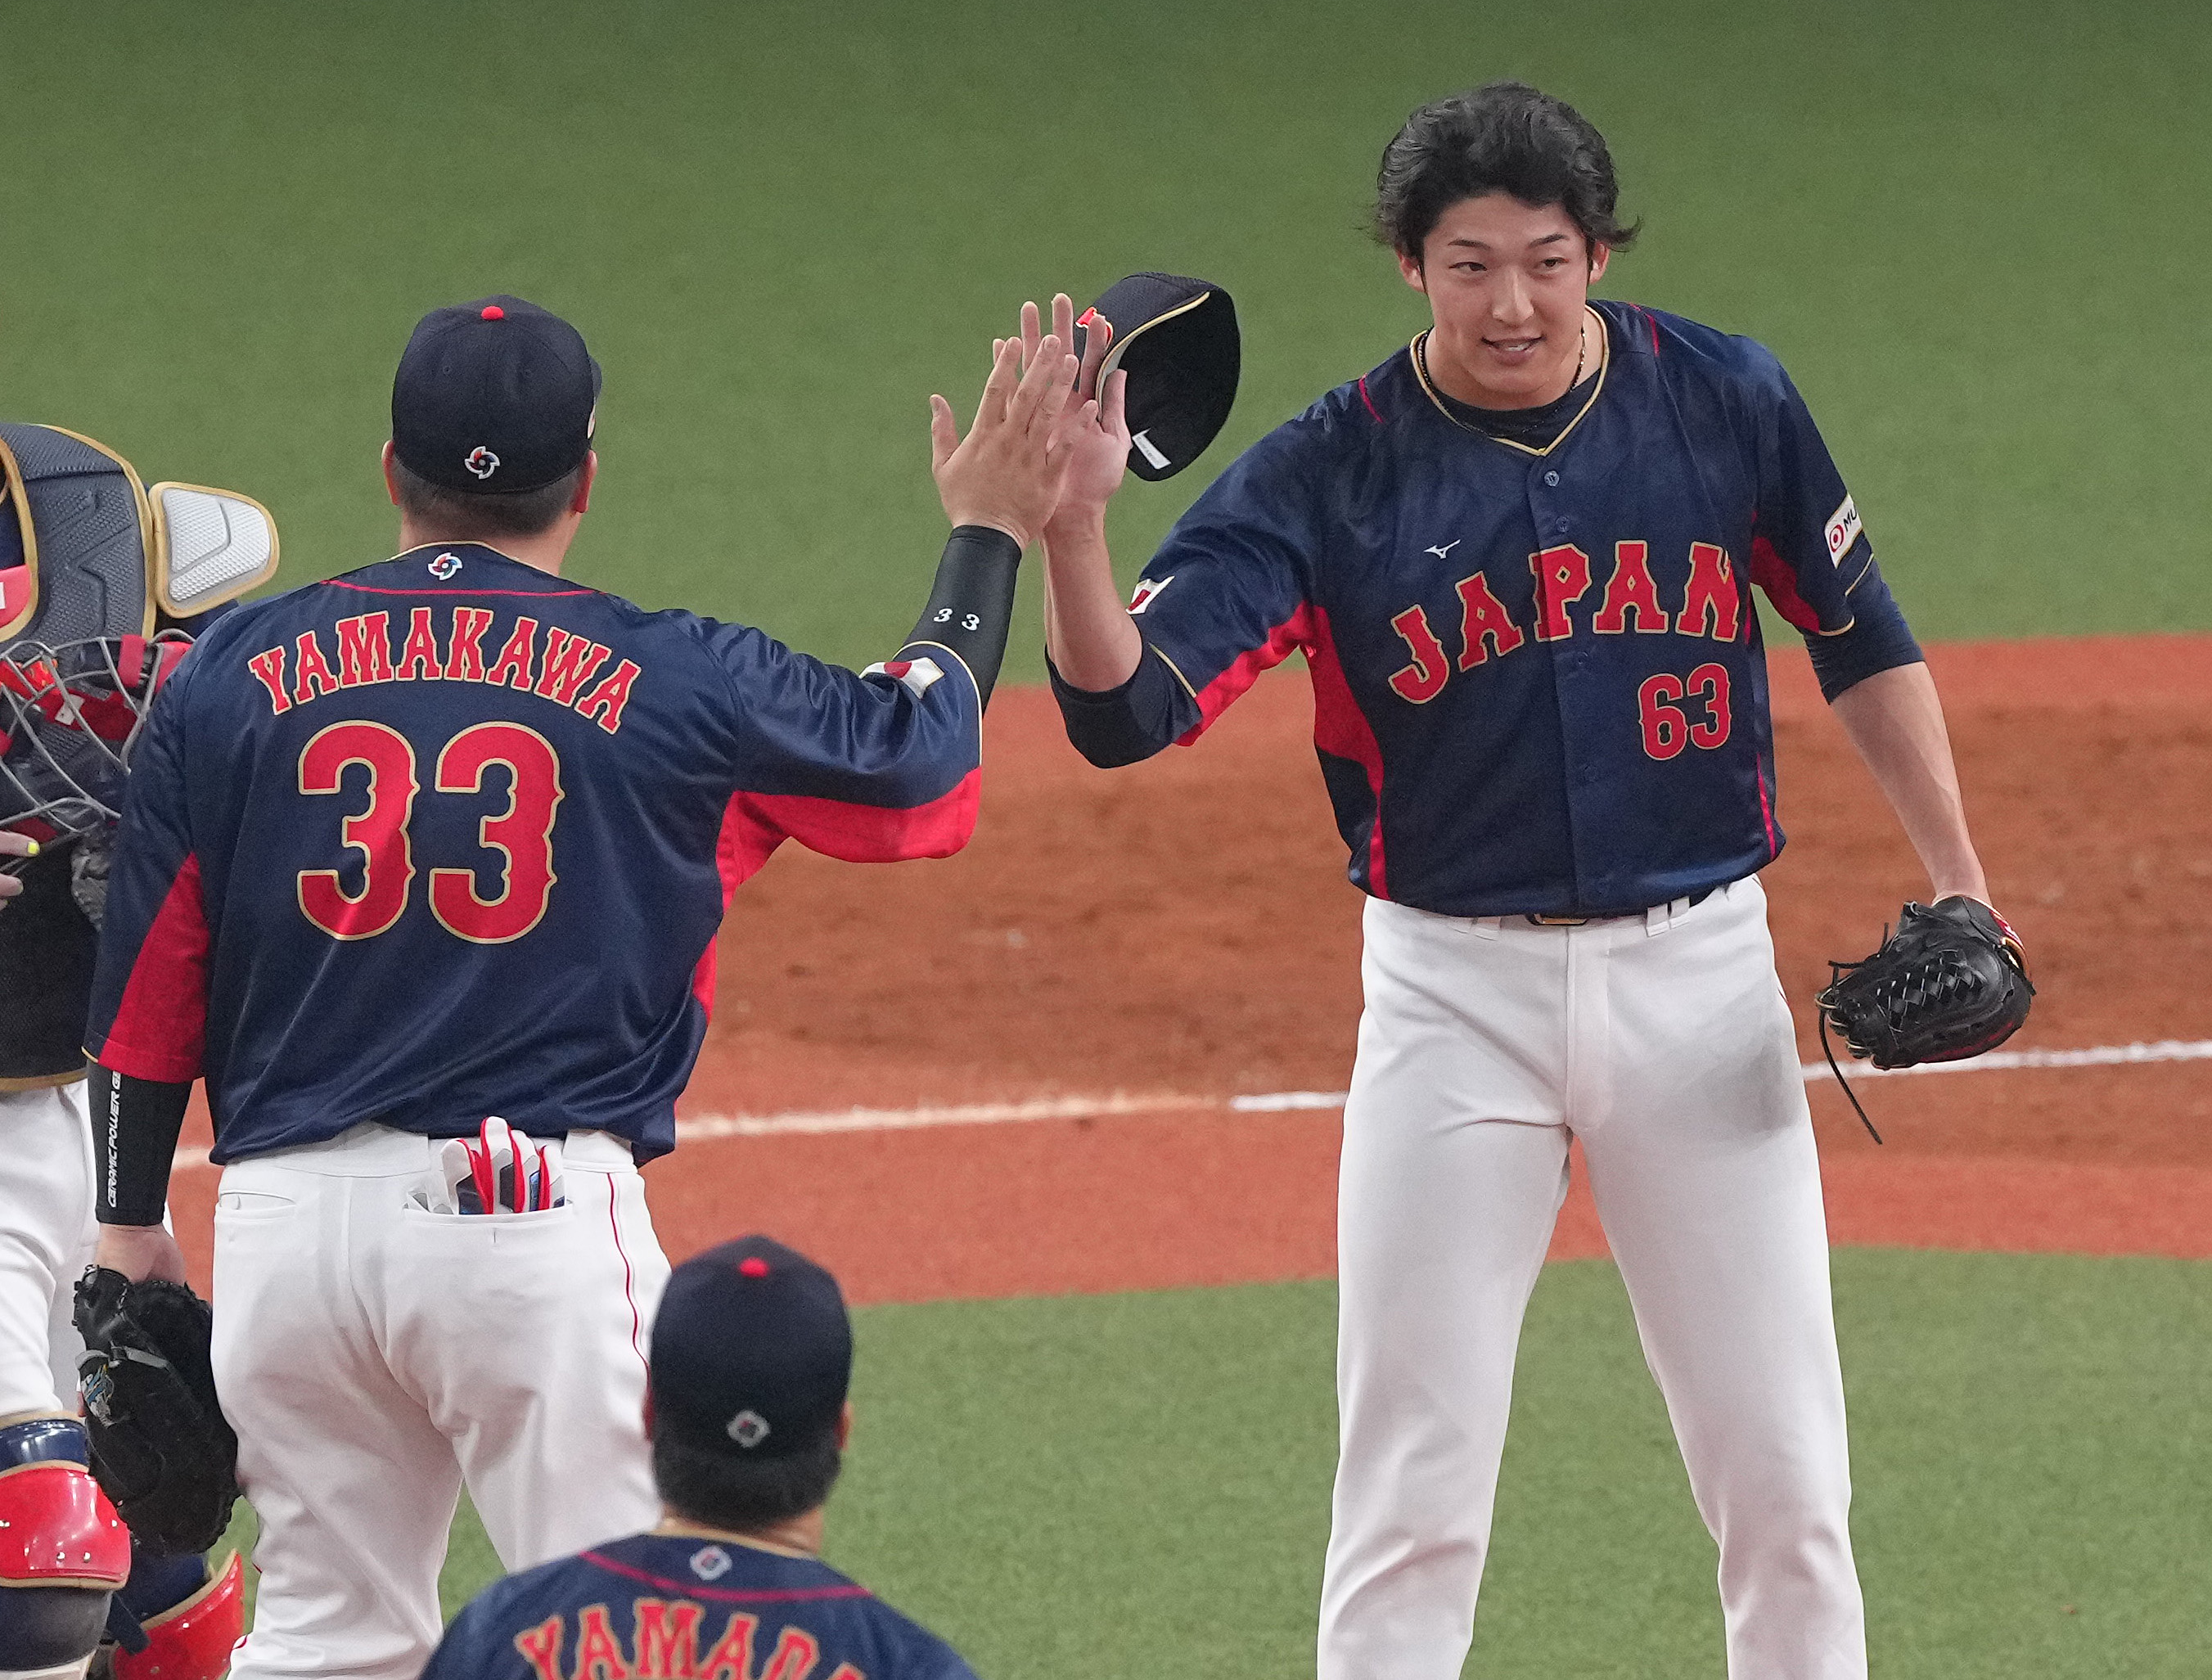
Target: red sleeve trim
x=1772 y=573
x=1216 y=696
x=871 y=834
x=1342 y=730
x=159 y=1029
x=1369 y=401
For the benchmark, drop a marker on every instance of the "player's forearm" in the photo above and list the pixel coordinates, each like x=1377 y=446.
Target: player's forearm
x=1896 y=722
x=1093 y=642
x=971 y=606
x=135 y=1123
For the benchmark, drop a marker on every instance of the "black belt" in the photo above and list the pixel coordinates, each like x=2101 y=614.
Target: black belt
x=1696 y=898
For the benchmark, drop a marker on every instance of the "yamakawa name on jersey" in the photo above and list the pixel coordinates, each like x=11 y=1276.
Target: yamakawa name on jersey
x=557 y=667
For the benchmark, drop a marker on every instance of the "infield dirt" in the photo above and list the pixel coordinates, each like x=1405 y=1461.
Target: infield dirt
x=1183 y=930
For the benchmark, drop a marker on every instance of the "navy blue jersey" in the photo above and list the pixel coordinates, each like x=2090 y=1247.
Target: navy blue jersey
x=1538 y=680
x=667 y=1606
x=449 y=837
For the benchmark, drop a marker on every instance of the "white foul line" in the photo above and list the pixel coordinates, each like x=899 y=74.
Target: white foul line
x=2102 y=1055
x=1997 y=1061
x=700 y=1128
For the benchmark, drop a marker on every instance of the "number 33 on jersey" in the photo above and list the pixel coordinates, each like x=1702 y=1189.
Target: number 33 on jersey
x=505 y=813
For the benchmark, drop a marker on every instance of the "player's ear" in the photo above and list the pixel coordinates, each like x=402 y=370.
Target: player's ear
x=391 y=480
x=583 y=501
x=845 y=1426
x=1600 y=254
x=649 y=1410
x=1410 y=268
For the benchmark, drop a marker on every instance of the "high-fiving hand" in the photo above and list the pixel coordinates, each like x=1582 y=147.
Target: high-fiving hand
x=1097 y=431
x=1008 y=471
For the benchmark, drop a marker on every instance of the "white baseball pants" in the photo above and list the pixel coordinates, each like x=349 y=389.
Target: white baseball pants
x=46 y=1238
x=1662 y=1043
x=373 y=1355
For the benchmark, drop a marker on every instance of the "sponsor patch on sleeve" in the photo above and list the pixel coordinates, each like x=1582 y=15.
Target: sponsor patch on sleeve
x=1844 y=530
x=1148 y=590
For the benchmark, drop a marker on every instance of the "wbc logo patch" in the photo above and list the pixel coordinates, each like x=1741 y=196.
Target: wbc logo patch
x=444 y=567
x=481 y=462
x=1844 y=530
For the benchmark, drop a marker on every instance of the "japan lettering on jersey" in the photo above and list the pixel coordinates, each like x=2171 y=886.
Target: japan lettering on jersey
x=449 y=836
x=672 y=1607
x=1538 y=680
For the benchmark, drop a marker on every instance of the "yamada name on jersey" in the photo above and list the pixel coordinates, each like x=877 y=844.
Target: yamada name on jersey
x=560 y=667
x=1711 y=605
x=669 y=1641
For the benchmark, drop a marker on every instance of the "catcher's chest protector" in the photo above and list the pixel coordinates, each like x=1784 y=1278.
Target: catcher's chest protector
x=86 y=550
x=90 y=562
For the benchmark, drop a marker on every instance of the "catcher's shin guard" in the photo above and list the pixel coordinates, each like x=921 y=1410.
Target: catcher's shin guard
x=63 y=1550
x=193 y=1640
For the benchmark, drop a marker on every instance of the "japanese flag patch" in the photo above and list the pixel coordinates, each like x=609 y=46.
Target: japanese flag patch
x=915 y=676
x=1844 y=530
x=1146 y=591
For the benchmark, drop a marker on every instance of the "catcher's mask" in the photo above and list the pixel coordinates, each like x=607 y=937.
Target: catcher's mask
x=91 y=563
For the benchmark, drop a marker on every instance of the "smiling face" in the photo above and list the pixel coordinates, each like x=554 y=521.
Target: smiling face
x=1507 y=281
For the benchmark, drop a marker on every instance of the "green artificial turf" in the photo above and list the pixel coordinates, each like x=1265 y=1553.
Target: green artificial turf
x=1136 y=1485
x=1970 y=227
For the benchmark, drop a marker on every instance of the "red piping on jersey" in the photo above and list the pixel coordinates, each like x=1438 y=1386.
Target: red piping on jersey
x=1342 y=730
x=522 y=594
x=1766 y=807
x=745 y=844
x=725 y=1595
x=160 y=1029
x=1771 y=573
x=1369 y=401
x=1216 y=696
x=1652 y=322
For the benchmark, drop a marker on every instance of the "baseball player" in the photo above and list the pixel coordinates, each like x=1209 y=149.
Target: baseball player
x=1518 y=558
x=752 y=1354
x=421 y=869
x=91 y=563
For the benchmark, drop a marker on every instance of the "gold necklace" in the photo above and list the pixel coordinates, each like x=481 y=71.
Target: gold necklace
x=1421 y=360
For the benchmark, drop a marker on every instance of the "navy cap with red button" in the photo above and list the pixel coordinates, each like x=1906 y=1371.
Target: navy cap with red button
x=494 y=397
x=752 y=1352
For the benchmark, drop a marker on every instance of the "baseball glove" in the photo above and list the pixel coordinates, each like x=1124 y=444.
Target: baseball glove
x=1950 y=983
x=161 y=1448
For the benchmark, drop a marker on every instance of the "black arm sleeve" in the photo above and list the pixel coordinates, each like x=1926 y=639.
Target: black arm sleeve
x=1878 y=639
x=1117 y=726
x=135 y=1123
x=972 y=606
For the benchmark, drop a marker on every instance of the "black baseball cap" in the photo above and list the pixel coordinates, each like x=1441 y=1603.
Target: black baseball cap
x=752 y=1352
x=494 y=397
x=1176 y=338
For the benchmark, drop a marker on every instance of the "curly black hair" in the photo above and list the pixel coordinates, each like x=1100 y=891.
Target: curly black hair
x=1503 y=136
